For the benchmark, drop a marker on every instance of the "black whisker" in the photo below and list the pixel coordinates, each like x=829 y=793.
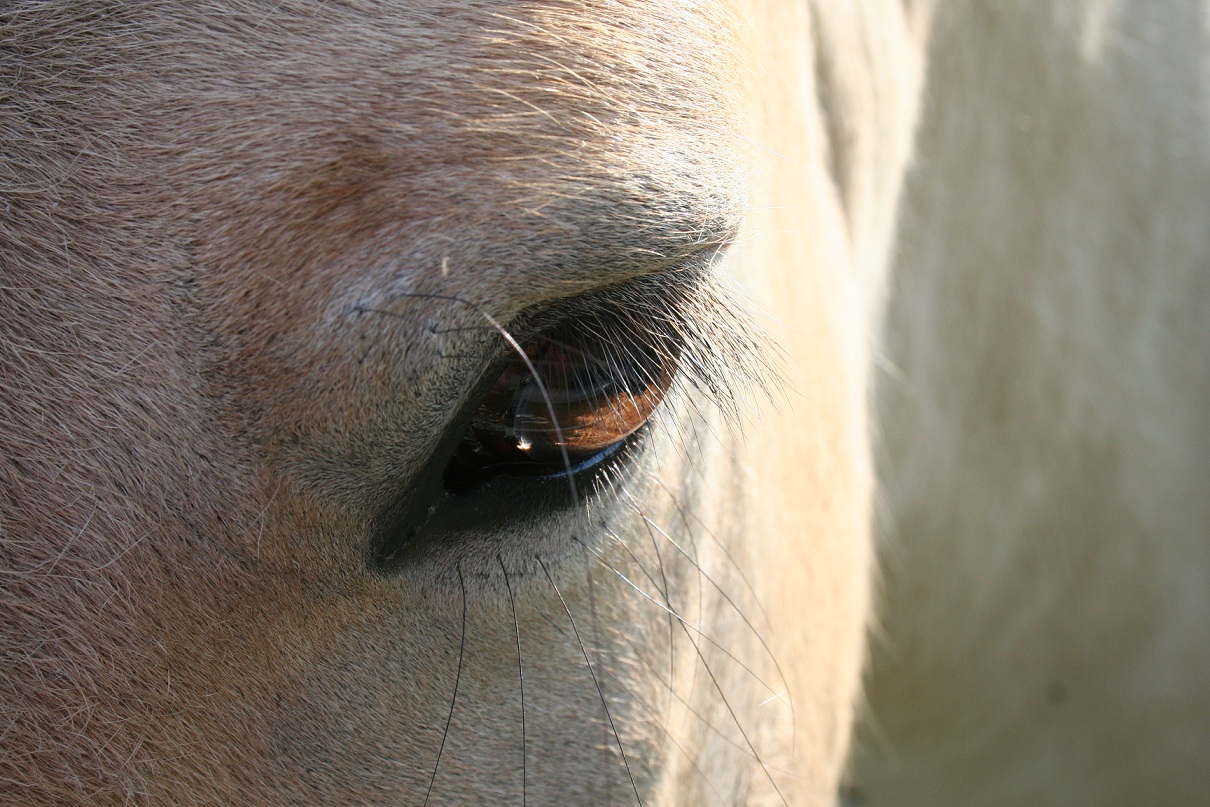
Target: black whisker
x=457 y=680
x=701 y=656
x=666 y=591
x=668 y=733
x=672 y=615
x=685 y=702
x=685 y=515
x=596 y=642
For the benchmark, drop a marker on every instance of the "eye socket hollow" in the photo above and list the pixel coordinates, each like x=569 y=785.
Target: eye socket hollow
x=598 y=381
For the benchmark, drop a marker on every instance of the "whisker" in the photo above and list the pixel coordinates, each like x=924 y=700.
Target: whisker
x=666 y=591
x=596 y=645
x=687 y=627
x=681 y=699
x=457 y=680
x=726 y=597
x=718 y=688
x=685 y=515
x=668 y=733
x=647 y=525
x=617 y=737
x=701 y=656
x=521 y=677
x=684 y=622
x=672 y=615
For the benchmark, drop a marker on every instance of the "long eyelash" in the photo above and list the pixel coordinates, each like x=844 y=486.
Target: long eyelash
x=720 y=352
x=697 y=327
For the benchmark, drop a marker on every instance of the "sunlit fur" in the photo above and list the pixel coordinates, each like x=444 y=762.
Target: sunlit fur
x=250 y=254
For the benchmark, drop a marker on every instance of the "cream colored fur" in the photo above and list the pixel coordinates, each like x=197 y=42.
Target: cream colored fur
x=246 y=253
x=1042 y=408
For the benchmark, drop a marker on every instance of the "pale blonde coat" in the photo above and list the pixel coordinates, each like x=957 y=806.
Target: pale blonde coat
x=247 y=253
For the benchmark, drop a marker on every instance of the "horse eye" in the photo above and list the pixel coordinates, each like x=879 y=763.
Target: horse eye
x=594 y=387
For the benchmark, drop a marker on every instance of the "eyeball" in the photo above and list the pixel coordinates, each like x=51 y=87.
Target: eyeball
x=581 y=389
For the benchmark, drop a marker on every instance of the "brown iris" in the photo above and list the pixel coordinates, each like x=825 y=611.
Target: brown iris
x=596 y=383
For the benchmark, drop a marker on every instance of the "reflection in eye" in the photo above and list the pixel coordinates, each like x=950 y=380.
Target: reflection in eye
x=603 y=382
